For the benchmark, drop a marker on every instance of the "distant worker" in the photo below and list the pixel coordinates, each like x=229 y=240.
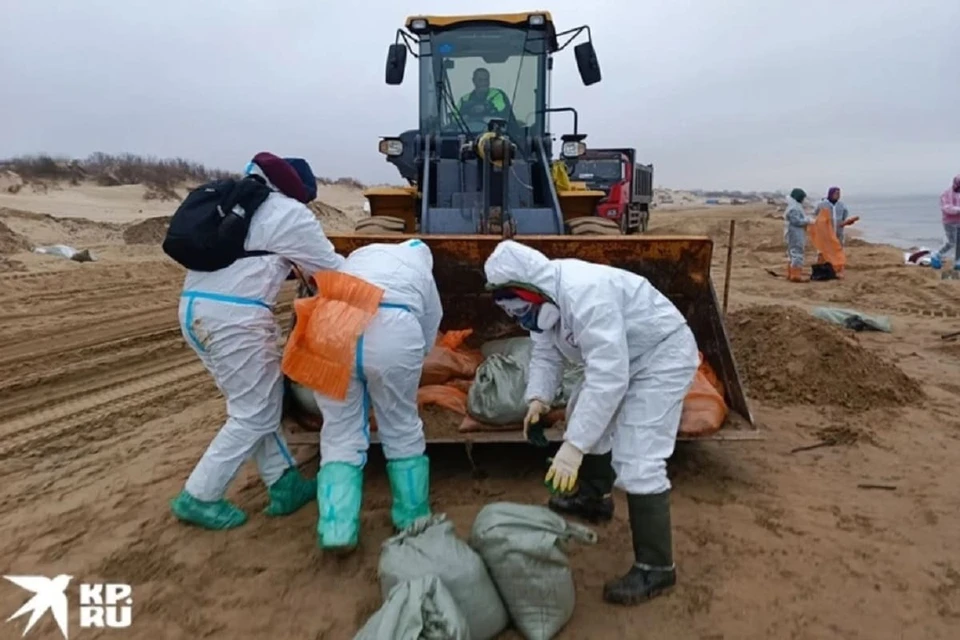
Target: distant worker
x=950 y=209
x=226 y=316
x=639 y=358
x=387 y=362
x=840 y=213
x=796 y=222
x=484 y=102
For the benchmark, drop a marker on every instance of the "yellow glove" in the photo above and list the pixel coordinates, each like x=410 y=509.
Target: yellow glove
x=535 y=409
x=562 y=475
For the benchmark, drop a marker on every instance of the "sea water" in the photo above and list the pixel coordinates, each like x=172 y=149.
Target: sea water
x=908 y=221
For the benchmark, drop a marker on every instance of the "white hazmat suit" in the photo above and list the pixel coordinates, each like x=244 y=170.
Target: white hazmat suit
x=389 y=360
x=227 y=317
x=638 y=353
x=639 y=357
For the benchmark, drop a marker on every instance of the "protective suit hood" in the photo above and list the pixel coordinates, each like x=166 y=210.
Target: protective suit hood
x=420 y=252
x=515 y=263
x=956 y=182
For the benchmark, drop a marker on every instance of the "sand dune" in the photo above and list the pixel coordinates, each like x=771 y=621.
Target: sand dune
x=105 y=410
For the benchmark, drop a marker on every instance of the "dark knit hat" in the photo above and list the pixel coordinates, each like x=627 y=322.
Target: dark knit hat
x=283 y=176
x=302 y=167
x=798 y=194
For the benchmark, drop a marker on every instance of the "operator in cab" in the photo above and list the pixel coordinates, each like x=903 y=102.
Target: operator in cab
x=639 y=358
x=484 y=102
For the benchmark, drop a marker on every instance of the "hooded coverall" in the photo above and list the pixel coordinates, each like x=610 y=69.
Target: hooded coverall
x=389 y=360
x=227 y=317
x=796 y=222
x=640 y=358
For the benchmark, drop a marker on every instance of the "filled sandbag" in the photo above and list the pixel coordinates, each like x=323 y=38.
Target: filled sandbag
x=522 y=545
x=496 y=396
x=418 y=609
x=430 y=546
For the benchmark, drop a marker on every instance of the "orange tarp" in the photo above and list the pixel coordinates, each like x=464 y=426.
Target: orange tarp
x=823 y=236
x=704 y=409
x=321 y=351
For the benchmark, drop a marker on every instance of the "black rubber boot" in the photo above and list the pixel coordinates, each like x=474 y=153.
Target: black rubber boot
x=592 y=500
x=654 y=571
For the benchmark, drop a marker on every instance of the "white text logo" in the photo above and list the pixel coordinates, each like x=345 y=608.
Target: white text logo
x=107 y=605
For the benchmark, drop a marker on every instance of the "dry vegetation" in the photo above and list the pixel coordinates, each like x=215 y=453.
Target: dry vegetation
x=161 y=176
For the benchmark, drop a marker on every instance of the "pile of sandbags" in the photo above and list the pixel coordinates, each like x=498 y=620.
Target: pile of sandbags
x=435 y=586
x=430 y=547
x=487 y=387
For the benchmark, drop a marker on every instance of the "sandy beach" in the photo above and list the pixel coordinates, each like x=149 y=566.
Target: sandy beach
x=105 y=410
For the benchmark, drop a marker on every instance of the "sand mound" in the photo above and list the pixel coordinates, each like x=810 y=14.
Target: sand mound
x=787 y=356
x=149 y=231
x=11 y=241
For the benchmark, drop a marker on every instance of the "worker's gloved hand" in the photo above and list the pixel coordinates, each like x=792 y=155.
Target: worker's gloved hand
x=562 y=475
x=849 y=221
x=535 y=410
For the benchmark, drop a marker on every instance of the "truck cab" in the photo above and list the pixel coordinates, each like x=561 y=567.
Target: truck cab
x=627 y=185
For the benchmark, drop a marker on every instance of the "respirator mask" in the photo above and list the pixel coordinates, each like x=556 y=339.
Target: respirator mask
x=530 y=315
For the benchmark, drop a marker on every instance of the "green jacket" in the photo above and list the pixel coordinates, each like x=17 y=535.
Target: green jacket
x=495 y=97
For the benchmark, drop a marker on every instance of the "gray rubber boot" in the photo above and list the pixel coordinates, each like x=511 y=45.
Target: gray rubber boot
x=653 y=571
x=592 y=500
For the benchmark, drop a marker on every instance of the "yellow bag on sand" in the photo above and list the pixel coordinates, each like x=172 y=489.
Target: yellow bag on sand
x=322 y=348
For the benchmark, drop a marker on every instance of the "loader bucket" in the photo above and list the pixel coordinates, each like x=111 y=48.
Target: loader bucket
x=679 y=266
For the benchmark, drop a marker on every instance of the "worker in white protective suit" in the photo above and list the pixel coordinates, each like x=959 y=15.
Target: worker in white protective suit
x=389 y=359
x=639 y=358
x=795 y=226
x=226 y=316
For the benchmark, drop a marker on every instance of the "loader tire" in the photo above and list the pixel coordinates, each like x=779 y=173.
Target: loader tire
x=380 y=225
x=593 y=226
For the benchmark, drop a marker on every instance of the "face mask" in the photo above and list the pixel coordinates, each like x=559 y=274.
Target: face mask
x=540 y=318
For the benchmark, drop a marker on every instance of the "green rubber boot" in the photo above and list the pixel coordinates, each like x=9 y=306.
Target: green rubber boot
x=216 y=516
x=291 y=492
x=410 y=486
x=339 y=497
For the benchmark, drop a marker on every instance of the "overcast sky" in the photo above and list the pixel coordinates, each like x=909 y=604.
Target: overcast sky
x=750 y=94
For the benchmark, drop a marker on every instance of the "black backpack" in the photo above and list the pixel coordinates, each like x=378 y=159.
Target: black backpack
x=209 y=227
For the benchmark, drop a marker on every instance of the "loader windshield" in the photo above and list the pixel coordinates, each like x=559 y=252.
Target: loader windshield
x=472 y=74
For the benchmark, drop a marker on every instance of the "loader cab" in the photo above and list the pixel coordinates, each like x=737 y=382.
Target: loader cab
x=482 y=147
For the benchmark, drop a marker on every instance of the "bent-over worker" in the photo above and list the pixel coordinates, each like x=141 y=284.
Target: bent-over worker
x=796 y=222
x=389 y=359
x=639 y=359
x=227 y=317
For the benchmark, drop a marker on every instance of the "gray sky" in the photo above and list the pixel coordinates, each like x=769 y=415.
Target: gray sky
x=751 y=94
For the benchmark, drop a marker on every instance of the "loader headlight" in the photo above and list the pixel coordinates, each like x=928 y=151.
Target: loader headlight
x=419 y=25
x=391 y=146
x=573 y=149
x=536 y=20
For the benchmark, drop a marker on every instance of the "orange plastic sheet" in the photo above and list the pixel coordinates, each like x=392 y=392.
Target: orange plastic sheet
x=321 y=351
x=823 y=236
x=704 y=409
x=448 y=360
x=443 y=395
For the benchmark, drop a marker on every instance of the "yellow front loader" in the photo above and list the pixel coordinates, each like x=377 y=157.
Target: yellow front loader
x=480 y=166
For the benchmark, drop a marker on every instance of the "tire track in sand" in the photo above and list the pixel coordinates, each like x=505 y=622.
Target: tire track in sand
x=158 y=385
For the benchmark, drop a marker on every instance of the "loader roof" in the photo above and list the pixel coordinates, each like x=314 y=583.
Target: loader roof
x=440 y=23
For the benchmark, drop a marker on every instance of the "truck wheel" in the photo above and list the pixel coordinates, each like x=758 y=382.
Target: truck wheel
x=593 y=226
x=380 y=225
